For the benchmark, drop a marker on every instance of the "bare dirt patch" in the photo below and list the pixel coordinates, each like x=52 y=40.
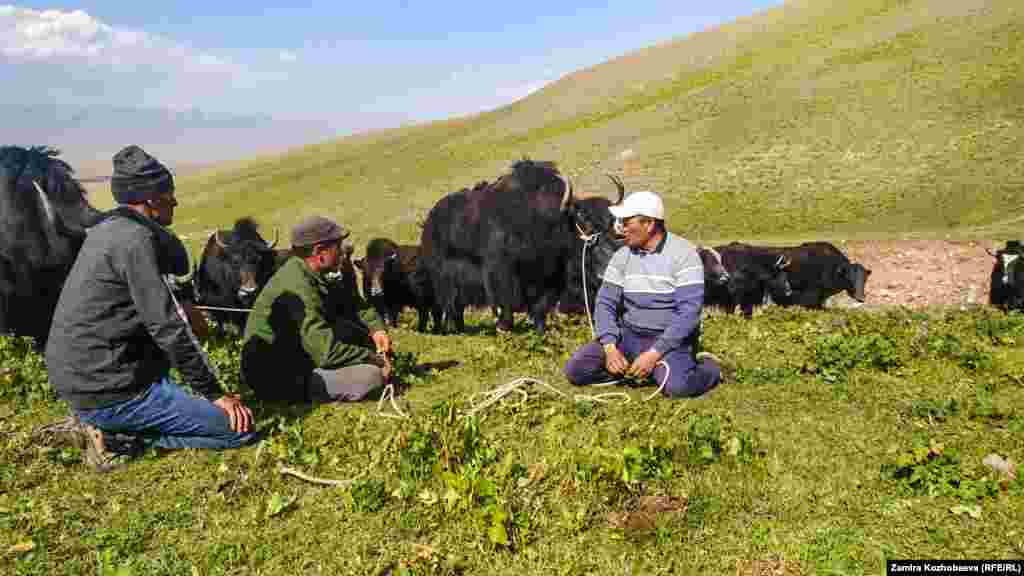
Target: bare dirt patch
x=920 y=273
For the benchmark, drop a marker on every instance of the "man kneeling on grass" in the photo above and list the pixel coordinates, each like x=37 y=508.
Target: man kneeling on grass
x=304 y=340
x=648 y=308
x=118 y=331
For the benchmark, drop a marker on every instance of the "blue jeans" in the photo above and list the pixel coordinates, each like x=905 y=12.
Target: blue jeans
x=167 y=416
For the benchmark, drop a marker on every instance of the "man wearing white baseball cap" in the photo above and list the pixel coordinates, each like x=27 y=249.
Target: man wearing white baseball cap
x=648 y=308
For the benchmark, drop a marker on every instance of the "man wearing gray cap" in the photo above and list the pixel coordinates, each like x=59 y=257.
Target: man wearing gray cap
x=300 y=344
x=118 y=331
x=648 y=308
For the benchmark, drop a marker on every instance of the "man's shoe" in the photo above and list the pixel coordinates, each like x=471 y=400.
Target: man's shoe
x=63 y=431
x=93 y=445
x=728 y=370
x=702 y=355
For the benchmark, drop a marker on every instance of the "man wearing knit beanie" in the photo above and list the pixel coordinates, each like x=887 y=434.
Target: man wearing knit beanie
x=138 y=176
x=118 y=331
x=304 y=341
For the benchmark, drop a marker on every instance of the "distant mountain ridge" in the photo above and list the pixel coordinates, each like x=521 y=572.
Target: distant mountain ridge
x=89 y=136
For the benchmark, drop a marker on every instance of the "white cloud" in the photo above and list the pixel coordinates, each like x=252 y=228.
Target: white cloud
x=287 y=56
x=67 y=38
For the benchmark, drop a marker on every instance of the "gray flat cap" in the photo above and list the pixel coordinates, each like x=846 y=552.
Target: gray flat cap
x=315 y=230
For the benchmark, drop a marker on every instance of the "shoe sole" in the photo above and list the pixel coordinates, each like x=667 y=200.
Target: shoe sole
x=100 y=461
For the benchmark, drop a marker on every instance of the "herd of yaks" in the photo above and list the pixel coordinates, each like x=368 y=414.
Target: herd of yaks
x=524 y=242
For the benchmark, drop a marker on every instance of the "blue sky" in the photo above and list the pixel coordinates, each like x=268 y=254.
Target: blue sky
x=350 y=65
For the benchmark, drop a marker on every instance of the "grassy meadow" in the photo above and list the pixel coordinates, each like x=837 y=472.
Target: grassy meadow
x=843 y=438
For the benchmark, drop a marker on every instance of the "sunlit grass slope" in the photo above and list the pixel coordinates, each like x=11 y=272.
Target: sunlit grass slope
x=859 y=117
x=846 y=438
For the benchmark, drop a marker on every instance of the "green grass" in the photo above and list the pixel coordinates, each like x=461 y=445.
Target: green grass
x=847 y=438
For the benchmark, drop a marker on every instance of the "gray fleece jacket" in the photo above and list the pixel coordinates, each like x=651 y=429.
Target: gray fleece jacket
x=117 y=328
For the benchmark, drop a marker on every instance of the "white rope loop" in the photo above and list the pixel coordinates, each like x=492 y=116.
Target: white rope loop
x=388 y=394
x=485 y=400
x=515 y=386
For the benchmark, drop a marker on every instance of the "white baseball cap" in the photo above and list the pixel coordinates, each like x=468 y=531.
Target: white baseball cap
x=642 y=203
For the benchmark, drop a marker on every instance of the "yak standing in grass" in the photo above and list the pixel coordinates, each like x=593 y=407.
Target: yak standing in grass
x=753 y=272
x=1006 y=290
x=818 y=271
x=234 y=267
x=44 y=214
x=510 y=240
x=391 y=282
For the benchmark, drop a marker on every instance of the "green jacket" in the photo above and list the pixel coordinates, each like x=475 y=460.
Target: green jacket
x=299 y=322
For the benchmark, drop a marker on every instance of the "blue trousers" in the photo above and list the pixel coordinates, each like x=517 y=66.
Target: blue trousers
x=167 y=416
x=686 y=377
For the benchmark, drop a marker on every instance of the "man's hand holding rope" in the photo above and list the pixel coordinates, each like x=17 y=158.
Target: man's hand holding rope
x=382 y=342
x=614 y=361
x=643 y=364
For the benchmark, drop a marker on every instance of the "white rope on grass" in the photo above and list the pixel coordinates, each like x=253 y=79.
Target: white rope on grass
x=497 y=394
x=603 y=398
x=285 y=471
x=388 y=394
x=664 y=381
x=223 y=308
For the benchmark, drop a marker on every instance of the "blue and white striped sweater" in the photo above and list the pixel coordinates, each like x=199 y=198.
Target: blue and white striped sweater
x=659 y=292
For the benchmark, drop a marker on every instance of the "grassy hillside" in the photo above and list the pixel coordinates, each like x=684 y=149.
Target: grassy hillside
x=844 y=437
x=812 y=119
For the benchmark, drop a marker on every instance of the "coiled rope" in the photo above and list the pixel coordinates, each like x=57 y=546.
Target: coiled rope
x=388 y=394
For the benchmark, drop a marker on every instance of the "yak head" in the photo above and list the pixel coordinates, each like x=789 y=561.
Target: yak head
x=1007 y=288
x=852 y=277
x=249 y=256
x=1008 y=259
x=380 y=260
x=41 y=199
x=776 y=277
x=595 y=242
x=594 y=224
x=715 y=273
x=771 y=277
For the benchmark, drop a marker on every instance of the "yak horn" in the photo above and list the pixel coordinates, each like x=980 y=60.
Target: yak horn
x=51 y=216
x=618 y=184
x=783 y=262
x=567 y=196
x=274 y=243
x=715 y=253
x=45 y=202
